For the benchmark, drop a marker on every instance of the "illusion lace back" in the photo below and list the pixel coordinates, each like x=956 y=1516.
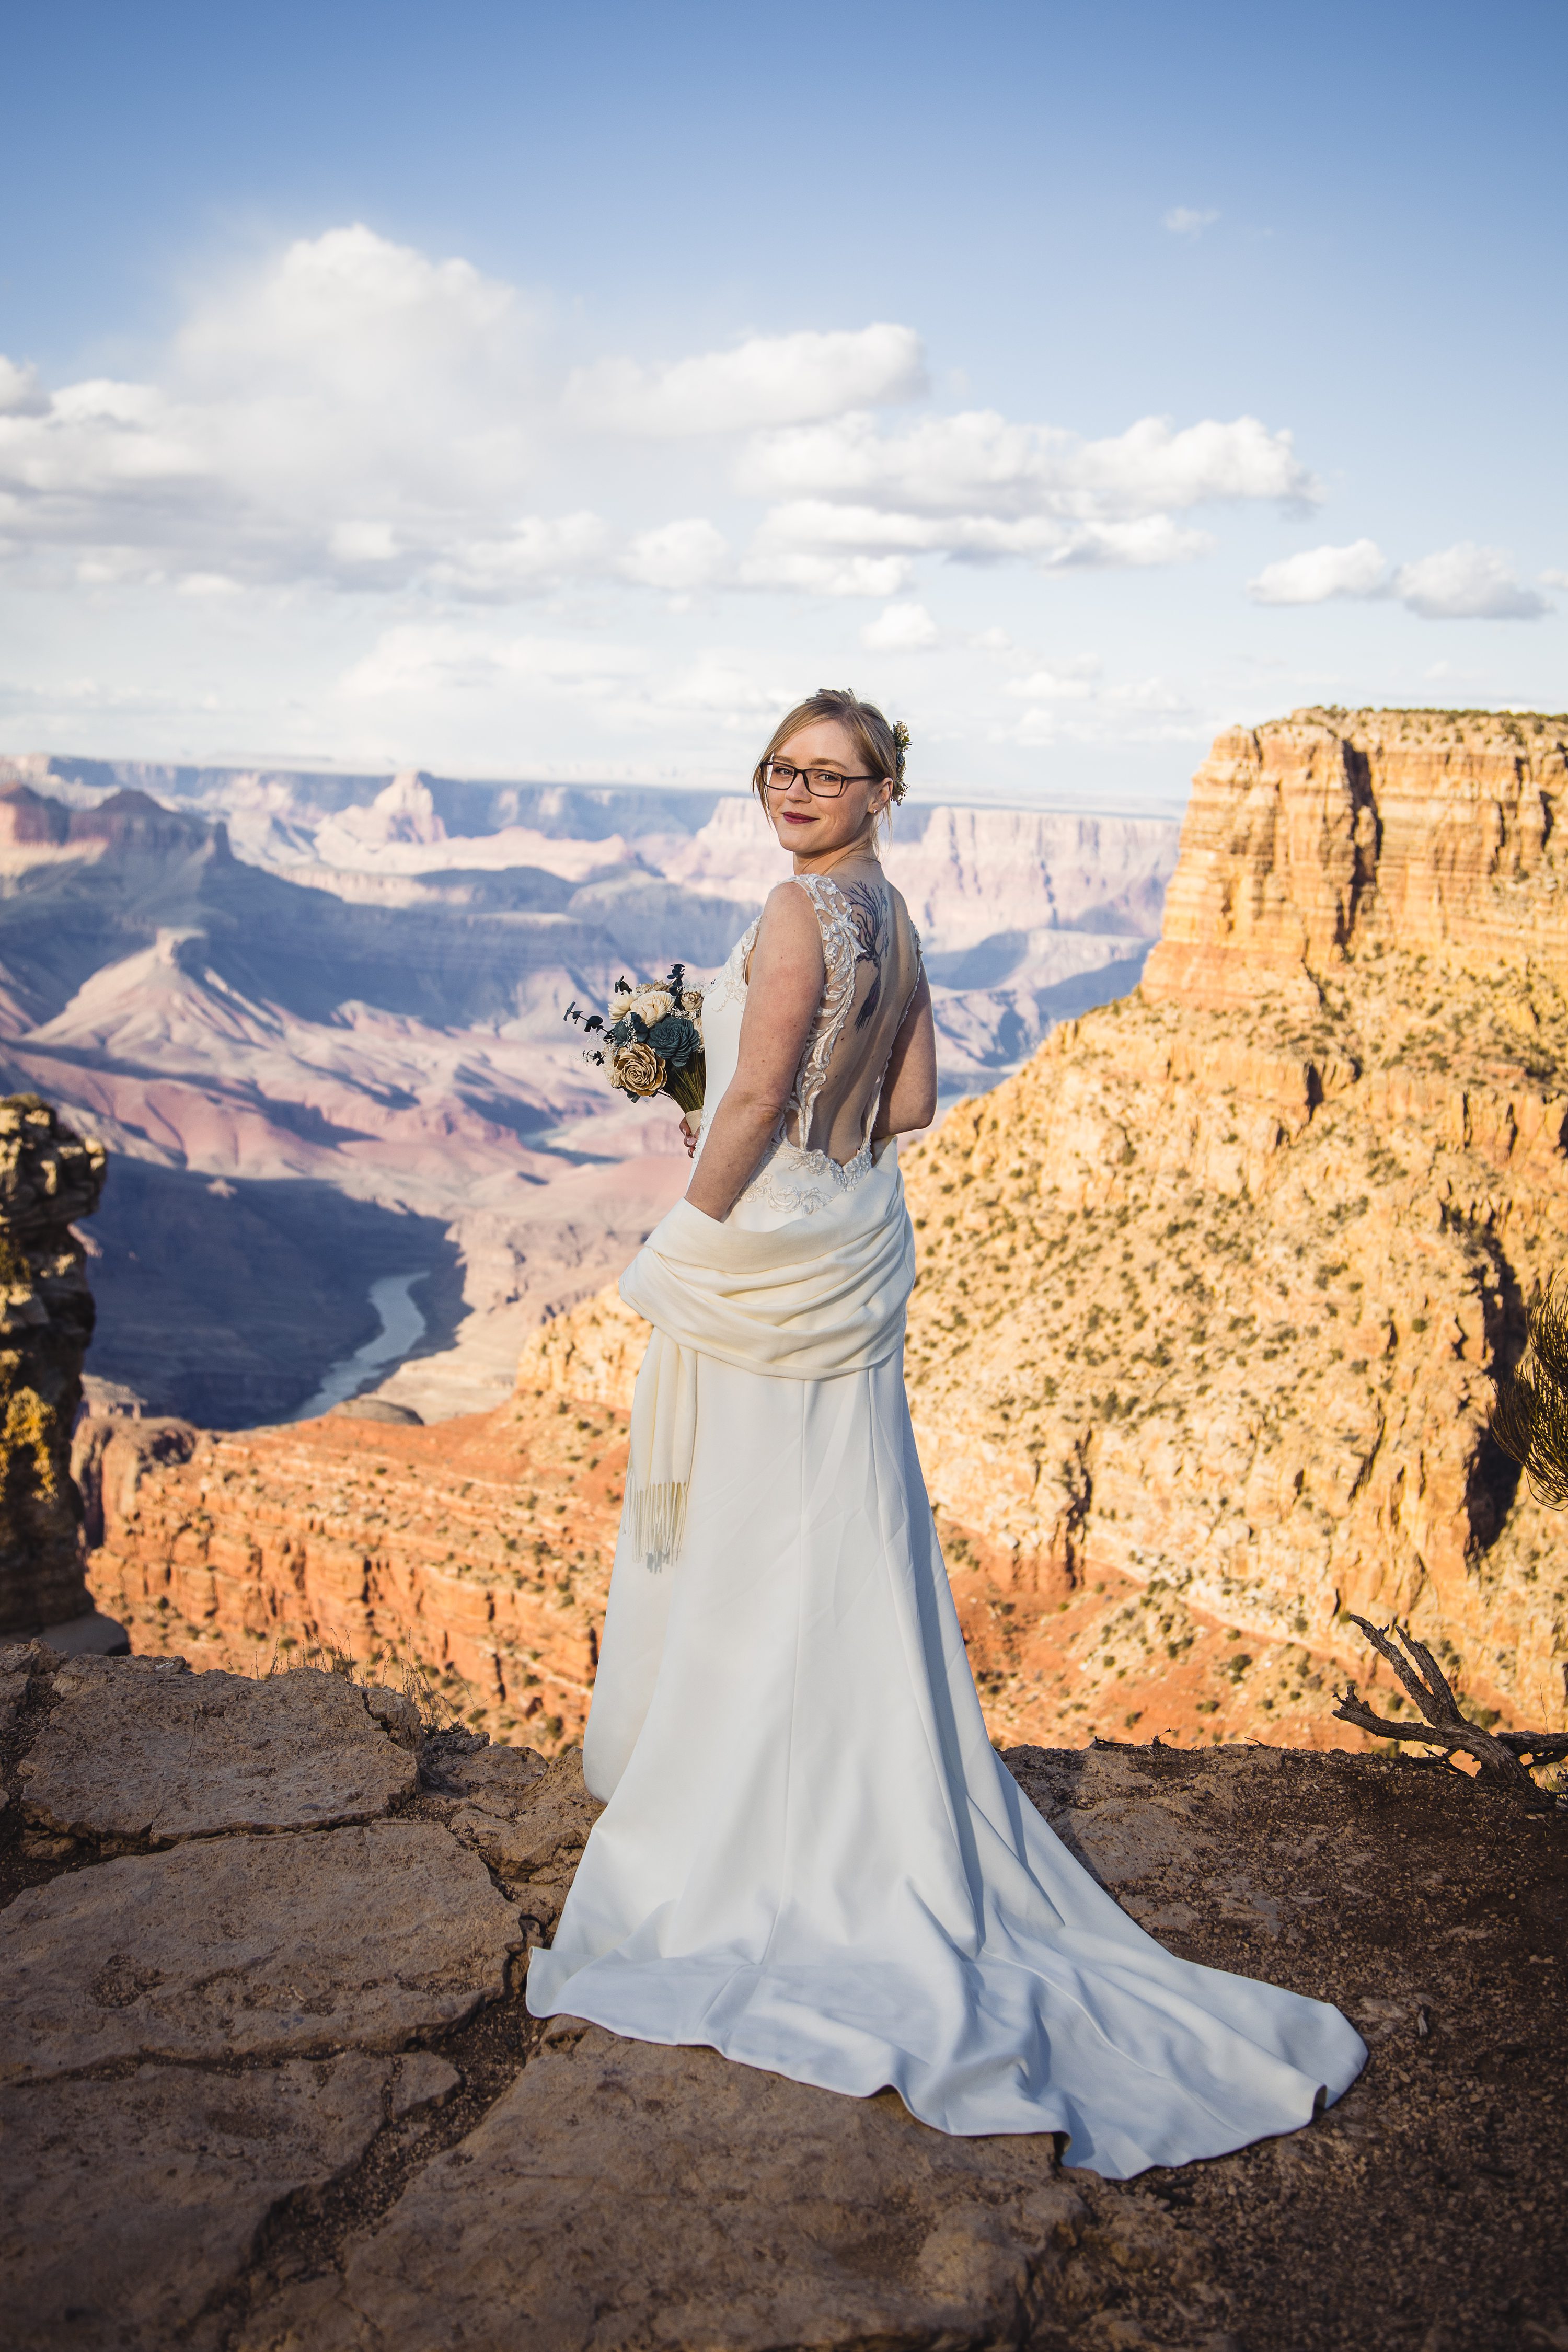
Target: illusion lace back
x=811 y=1858
x=871 y=959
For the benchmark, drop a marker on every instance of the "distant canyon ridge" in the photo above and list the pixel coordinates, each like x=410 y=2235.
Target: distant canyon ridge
x=1209 y=1291
x=317 y=1021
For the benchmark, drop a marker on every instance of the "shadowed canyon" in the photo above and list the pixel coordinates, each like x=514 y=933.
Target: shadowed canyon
x=1209 y=1290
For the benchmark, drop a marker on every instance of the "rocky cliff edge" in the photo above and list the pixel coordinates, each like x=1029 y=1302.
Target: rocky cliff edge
x=268 y=2083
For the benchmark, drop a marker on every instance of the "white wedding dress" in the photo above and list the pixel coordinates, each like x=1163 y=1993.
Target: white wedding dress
x=811 y=1857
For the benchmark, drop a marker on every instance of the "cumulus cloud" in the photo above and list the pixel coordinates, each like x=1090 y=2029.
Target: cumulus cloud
x=1073 y=681
x=1181 y=220
x=353 y=416
x=769 y=379
x=424 y=659
x=979 y=463
x=900 y=629
x=1457 y=583
x=976 y=487
x=439 y=667
x=1466 y=583
x=680 y=556
x=1317 y=573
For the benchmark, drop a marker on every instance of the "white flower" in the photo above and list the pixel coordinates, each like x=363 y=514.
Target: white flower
x=650 y=1005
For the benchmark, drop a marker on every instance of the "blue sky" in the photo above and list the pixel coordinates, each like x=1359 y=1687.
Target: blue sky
x=516 y=391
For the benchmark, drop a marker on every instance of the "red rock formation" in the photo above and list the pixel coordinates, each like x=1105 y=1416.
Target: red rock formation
x=476 y=1551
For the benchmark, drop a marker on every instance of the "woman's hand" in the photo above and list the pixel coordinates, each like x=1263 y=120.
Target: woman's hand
x=689 y=1137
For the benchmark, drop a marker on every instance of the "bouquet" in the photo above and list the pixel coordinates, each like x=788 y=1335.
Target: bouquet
x=652 y=1038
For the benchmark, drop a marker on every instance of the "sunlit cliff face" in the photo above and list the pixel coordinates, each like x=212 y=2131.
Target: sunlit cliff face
x=1209 y=1292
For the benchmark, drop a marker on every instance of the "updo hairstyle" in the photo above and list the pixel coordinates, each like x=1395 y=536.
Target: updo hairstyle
x=880 y=748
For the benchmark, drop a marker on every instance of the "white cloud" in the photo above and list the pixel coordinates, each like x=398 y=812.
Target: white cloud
x=537 y=553
x=425 y=659
x=976 y=487
x=817 y=524
x=21 y=393
x=900 y=629
x=771 y=565
x=1318 y=572
x=430 y=671
x=1462 y=583
x=677 y=556
x=1072 y=681
x=355 y=417
x=1554 y=579
x=1181 y=220
x=979 y=463
x=1466 y=583
x=770 y=380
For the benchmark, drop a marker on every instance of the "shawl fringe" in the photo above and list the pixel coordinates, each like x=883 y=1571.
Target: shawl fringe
x=655 y=1519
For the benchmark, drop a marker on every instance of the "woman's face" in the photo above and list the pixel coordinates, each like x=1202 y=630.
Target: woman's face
x=806 y=823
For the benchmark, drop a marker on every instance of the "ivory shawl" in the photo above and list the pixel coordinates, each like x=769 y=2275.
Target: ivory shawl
x=820 y=1296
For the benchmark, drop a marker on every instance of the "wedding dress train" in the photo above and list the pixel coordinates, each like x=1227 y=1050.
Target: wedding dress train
x=811 y=1857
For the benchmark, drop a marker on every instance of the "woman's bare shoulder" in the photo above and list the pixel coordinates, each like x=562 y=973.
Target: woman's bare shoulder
x=787 y=929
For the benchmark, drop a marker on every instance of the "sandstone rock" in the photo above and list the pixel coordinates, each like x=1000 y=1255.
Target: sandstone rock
x=1209 y=1292
x=374 y=1408
x=420 y=2079
x=48 y=1177
x=476 y=1552
x=161 y=1756
x=508 y=1781
x=132 y=2202
x=257 y=1947
x=19 y=1662
x=624 y=2195
x=531 y=1831
x=397 y=1716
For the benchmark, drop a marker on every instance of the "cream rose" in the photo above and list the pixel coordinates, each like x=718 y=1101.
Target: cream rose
x=650 y=1005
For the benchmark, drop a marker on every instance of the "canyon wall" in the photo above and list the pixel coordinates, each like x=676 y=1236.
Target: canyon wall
x=1208 y=1296
x=48 y=1177
x=1210 y=1290
x=476 y=1554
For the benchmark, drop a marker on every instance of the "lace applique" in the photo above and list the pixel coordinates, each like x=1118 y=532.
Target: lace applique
x=840 y=952
x=730 y=984
x=798 y=1184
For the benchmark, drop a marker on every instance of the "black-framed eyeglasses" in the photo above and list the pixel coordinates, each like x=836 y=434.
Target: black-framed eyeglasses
x=826 y=784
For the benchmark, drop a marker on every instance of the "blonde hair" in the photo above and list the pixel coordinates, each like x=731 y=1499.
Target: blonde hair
x=879 y=747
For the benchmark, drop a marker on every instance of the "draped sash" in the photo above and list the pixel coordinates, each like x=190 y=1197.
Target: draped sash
x=810 y=1299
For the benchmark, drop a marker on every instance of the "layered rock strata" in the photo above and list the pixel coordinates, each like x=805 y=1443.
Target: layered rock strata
x=474 y=1555
x=277 y=2086
x=1210 y=1290
x=1198 y=1354
x=48 y=1177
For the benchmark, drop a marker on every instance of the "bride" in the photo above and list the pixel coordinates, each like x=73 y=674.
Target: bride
x=811 y=1858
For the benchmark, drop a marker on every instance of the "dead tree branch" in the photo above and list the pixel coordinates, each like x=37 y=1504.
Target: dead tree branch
x=1500 y=1758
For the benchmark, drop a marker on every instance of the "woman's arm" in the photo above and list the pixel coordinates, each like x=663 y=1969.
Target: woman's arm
x=908 y=1090
x=784 y=990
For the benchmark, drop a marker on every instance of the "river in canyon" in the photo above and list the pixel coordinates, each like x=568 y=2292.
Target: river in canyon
x=402 y=1325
